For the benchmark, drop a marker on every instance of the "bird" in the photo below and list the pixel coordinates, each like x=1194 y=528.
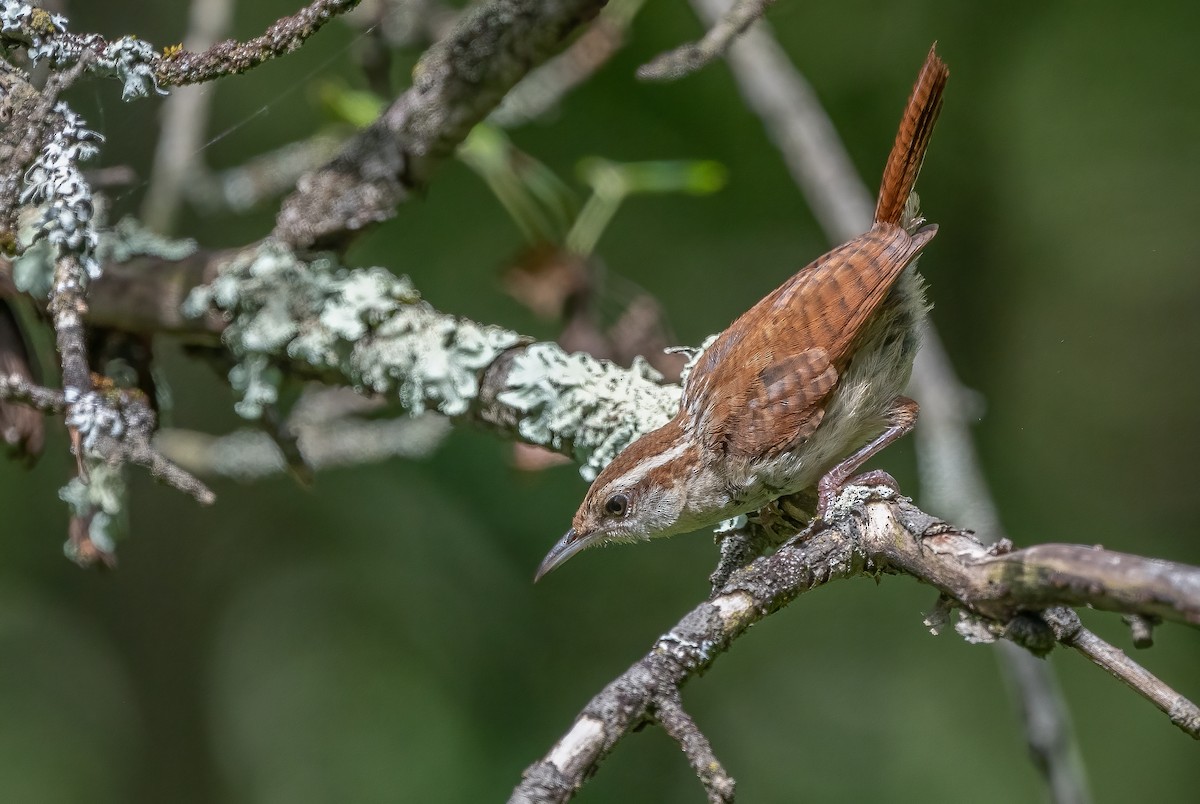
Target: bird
x=799 y=391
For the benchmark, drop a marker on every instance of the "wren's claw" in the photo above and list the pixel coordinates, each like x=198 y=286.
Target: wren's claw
x=829 y=489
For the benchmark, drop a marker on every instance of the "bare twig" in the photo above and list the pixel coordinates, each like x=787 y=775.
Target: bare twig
x=952 y=484
x=669 y=712
x=22 y=428
x=1141 y=629
x=1069 y=631
x=544 y=87
x=68 y=308
x=800 y=129
x=16 y=388
x=251 y=454
x=404 y=23
x=263 y=177
x=184 y=122
x=688 y=58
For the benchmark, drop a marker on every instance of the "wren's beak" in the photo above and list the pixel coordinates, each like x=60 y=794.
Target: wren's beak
x=567 y=546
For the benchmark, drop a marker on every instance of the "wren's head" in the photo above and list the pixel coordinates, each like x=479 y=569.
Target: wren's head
x=641 y=495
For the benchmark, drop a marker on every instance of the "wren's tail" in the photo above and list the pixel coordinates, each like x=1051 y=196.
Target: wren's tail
x=904 y=162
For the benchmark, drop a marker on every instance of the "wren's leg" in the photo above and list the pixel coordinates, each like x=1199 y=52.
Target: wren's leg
x=901 y=417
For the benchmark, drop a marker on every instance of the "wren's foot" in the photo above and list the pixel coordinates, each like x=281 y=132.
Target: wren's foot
x=875 y=477
x=829 y=489
x=901 y=417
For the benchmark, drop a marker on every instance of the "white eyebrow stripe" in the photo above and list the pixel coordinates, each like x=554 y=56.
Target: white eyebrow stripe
x=636 y=474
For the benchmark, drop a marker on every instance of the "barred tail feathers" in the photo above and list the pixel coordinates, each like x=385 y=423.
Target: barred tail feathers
x=916 y=128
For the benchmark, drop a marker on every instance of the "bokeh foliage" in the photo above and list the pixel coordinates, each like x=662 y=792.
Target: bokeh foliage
x=378 y=638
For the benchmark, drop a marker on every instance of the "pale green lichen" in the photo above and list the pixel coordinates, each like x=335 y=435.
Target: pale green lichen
x=258 y=383
x=33 y=270
x=368 y=324
x=101 y=502
x=424 y=356
x=129 y=239
x=371 y=327
x=590 y=406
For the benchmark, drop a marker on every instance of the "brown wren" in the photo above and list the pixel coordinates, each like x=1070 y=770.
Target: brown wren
x=799 y=392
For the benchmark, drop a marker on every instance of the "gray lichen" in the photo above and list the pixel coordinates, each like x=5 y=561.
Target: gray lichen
x=97 y=417
x=101 y=503
x=129 y=239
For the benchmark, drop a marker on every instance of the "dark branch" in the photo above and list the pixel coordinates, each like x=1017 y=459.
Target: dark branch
x=456 y=84
x=16 y=388
x=181 y=67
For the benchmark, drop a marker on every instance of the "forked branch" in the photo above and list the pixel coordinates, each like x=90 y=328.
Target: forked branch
x=1009 y=595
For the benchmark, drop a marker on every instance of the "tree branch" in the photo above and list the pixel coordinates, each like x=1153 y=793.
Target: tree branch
x=866 y=536
x=181 y=67
x=456 y=84
x=17 y=388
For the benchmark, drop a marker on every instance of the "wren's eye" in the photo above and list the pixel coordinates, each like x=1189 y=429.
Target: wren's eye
x=616 y=505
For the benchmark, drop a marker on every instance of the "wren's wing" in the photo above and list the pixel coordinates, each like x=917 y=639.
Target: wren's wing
x=761 y=388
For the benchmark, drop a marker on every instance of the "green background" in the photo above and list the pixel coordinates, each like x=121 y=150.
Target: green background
x=378 y=638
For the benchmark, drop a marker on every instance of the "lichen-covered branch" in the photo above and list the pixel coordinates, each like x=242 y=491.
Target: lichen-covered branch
x=143 y=70
x=867 y=536
x=369 y=329
x=456 y=84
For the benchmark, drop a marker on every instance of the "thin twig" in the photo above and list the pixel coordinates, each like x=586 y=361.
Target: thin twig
x=182 y=67
x=252 y=455
x=800 y=128
x=689 y=58
x=262 y=177
x=539 y=91
x=15 y=388
x=1068 y=630
x=670 y=714
x=952 y=484
x=184 y=123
